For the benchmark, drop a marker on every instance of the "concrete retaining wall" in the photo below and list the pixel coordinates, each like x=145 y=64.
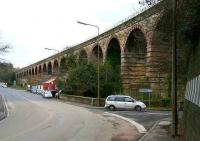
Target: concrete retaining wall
x=192 y=121
x=192 y=95
x=84 y=100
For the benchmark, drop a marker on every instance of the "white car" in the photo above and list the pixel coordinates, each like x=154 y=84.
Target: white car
x=47 y=94
x=123 y=102
x=4 y=85
x=40 y=91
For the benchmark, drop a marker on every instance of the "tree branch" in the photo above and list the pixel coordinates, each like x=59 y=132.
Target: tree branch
x=4 y=48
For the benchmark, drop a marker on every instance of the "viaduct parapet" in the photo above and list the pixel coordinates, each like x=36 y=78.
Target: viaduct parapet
x=142 y=45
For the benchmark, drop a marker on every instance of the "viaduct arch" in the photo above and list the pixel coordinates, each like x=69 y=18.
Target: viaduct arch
x=139 y=47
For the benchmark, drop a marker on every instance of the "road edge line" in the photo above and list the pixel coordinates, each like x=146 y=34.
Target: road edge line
x=138 y=126
x=5 y=107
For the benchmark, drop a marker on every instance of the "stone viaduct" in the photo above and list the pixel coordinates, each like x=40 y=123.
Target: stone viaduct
x=141 y=45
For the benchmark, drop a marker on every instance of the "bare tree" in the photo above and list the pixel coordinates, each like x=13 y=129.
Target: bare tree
x=148 y=2
x=4 y=49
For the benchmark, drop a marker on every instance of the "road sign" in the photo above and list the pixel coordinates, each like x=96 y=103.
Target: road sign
x=14 y=83
x=144 y=90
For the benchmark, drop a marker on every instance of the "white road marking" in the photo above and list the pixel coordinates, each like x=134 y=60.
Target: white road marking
x=6 y=106
x=138 y=126
x=149 y=113
x=164 y=114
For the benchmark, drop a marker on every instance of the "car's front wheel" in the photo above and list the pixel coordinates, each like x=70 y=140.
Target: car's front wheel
x=138 y=108
x=111 y=108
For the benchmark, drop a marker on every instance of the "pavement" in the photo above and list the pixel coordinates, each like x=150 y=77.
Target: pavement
x=157 y=123
x=2 y=108
x=158 y=132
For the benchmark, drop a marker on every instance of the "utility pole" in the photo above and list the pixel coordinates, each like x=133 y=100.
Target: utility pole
x=174 y=71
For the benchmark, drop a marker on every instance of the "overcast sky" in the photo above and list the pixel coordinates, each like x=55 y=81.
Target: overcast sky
x=29 y=26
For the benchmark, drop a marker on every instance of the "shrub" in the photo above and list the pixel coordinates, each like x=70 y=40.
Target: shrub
x=159 y=103
x=165 y=102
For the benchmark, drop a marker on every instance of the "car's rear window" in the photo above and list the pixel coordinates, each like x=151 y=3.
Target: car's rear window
x=111 y=99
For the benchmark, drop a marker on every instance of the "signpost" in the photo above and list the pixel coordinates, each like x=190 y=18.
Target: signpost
x=146 y=90
x=14 y=83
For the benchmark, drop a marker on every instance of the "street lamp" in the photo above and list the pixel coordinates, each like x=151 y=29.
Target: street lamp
x=98 y=62
x=52 y=49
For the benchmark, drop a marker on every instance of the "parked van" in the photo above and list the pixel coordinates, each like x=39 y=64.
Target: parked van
x=123 y=102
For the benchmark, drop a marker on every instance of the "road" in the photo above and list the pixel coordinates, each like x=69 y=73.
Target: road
x=146 y=118
x=33 y=118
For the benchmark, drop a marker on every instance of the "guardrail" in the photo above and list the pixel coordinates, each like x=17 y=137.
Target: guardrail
x=84 y=100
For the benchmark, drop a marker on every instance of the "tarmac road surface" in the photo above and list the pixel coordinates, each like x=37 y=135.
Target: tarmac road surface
x=33 y=118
